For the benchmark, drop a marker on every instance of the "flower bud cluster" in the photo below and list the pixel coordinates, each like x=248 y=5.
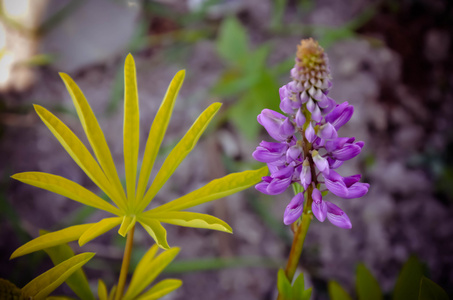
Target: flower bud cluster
x=308 y=149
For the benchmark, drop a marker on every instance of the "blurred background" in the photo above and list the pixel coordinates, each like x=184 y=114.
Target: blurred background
x=390 y=59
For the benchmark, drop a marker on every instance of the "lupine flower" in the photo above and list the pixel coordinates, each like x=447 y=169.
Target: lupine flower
x=308 y=148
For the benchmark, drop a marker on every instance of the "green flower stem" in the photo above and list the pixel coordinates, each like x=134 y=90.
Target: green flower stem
x=125 y=264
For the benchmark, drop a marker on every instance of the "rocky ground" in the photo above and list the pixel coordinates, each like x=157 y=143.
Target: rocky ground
x=397 y=72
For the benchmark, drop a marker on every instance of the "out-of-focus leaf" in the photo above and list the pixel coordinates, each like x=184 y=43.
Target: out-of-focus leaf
x=127 y=224
x=9 y=290
x=147 y=271
x=307 y=294
x=112 y=293
x=65 y=187
x=94 y=134
x=156 y=231
x=180 y=151
x=78 y=281
x=429 y=290
x=215 y=189
x=233 y=82
x=77 y=150
x=232 y=42
x=161 y=289
x=131 y=130
x=408 y=283
x=52 y=239
x=283 y=285
x=366 y=285
x=46 y=283
x=98 y=229
x=336 y=292
x=157 y=131
x=190 y=219
x=102 y=290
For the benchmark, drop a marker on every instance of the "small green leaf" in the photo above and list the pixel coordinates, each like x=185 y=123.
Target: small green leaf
x=161 y=289
x=46 y=283
x=215 y=189
x=307 y=294
x=429 y=290
x=52 y=239
x=98 y=228
x=65 y=187
x=190 y=219
x=299 y=287
x=232 y=41
x=127 y=224
x=94 y=134
x=336 y=292
x=78 y=281
x=156 y=231
x=148 y=269
x=284 y=286
x=157 y=131
x=102 y=290
x=181 y=150
x=408 y=283
x=131 y=130
x=366 y=285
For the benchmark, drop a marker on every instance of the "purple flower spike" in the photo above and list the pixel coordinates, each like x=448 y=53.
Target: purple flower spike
x=337 y=217
x=294 y=209
x=305 y=175
x=340 y=115
x=318 y=206
x=327 y=132
x=310 y=133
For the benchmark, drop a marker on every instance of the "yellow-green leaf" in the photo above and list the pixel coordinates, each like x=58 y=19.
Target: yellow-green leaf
x=127 y=224
x=157 y=132
x=336 y=292
x=94 y=134
x=77 y=150
x=180 y=151
x=131 y=130
x=216 y=189
x=141 y=271
x=46 y=283
x=52 y=239
x=78 y=281
x=156 y=231
x=112 y=293
x=98 y=229
x=66 y=188
x=102 y=290
x=189 y=219
x=148 y=271
x=161 y=289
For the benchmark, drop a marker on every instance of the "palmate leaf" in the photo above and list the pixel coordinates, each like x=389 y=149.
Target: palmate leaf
x=157 y=132
x=156 y=231
x=66 y=188
x=215 y=189
x=52 y=239
x=94 y=134
x=98 y=229
x=131 y=131
x=78 y=152
x=180 y=151
x=147 y=270
x=161 y=289
x=127 y=224
x=44 y=284
x=78 y=281
x=190 y=219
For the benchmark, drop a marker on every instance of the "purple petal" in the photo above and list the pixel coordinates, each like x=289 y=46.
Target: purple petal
x=328 y=132
x=340 y=115
x=293 y=153
x=285 y=106
x=283 y=172
x=274 y=147
x=264 y=155
x=319 y=210
x=304 y=97
x=346 y=153
x=337 y=217
x=278 y=186
x=300 y=118
x=294 y=209
x=336 y=187
x=331 y=105
x=334 y=164
x=336 y=143
x=305 y=175
x=310 y=133
x=320 y=162
x=316 y=114
x=350 y=180
x=316 y=195
x=311 y=105
x=357 y=190
x=271 y=121
x=286 y=129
